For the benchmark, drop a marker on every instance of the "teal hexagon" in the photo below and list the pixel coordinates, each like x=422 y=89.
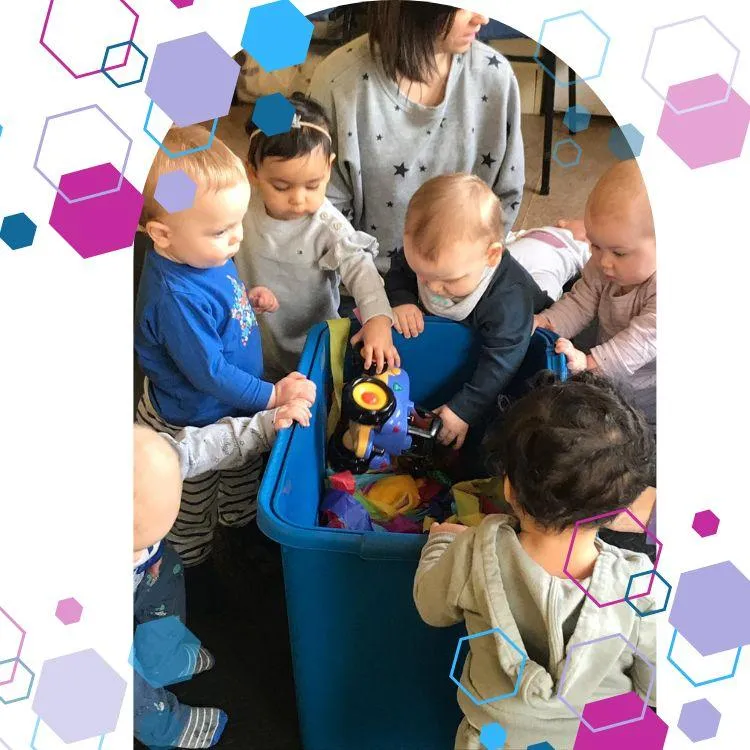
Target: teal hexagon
x=577 y=118
x=17 y=231
x=625 y=142
x=565 y=142
x=23 y=693
x=277 y=35
x=273 y=114
x=493 y=736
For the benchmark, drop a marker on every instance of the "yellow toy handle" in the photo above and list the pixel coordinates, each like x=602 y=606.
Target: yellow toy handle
x=339 y=337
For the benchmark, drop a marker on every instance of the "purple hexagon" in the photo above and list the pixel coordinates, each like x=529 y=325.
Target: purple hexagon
x=607 y=716
x=53 y=34
x=706 y=523
x=99 y=225
x=79 y=696
x=175 y=191
x=708 y=135
x=68 y=611
x=711 y=608
x=601 y=516
x=12 y=636
x=182 y=3
x=192 y=79
x=649 y=733
x=699 y=720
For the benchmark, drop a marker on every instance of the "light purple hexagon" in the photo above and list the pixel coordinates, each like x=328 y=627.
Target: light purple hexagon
x=706 y=523
x=617 y=714
x=68 y=611
x=192 y=79
x=175 y=191
x=47 y=43
x=709 y=135
x=99 y=225
x=711 y=608
x=12 y=636
x=103 y=187
x=699 y=720
x=79 y=696
x=649 y=733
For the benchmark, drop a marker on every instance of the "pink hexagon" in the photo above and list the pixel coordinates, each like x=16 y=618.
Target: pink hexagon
x=708 y=135
x=68 y=611
x=706 y=523
x=99 y=225
x=12 y=636
x=648 y=733
x=182 y=3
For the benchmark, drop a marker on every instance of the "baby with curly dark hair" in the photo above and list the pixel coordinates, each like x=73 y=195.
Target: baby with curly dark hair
x=568 y=451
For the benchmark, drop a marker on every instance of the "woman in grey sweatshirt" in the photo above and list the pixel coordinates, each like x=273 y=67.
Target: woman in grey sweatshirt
x=570 y=452
x=416 y=98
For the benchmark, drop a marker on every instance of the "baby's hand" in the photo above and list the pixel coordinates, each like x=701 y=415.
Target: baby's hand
x=451 y=528
x=408 y=320
x=263 y=299
x=540 y=321
x=576 y=227
x=378 y=343
x=293 y=386
x=454 y=428
x=297 y=410
x=577 y=361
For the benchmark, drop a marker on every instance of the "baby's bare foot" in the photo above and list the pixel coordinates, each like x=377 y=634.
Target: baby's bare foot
x=576 y=227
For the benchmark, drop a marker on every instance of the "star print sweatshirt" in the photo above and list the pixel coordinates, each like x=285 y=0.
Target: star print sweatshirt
x=198 y=343
x=502 y=318
x=484 y=577
x=387 y=145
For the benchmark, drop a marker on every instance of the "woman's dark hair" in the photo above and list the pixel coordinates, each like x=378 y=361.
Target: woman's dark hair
x=573 y=450
x=404 y=33
x=297 y=141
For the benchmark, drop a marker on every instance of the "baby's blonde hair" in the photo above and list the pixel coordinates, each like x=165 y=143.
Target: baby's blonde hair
x=449 y=207
x=621 y=194
x=212 y=169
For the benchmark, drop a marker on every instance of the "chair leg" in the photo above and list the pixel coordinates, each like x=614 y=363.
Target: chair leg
x=548 y=110
x=571 y=92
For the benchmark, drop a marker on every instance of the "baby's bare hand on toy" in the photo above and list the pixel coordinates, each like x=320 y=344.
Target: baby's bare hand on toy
x=293 y=386
x=540 y=321
x=408 y=320
x=263 y=299
x=450 y=528
x=377 y=341
x=576 y=359
x=454 y=428
x=297 y=410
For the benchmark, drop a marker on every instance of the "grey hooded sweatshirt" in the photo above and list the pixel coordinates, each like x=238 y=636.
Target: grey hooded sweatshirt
x=485 y=577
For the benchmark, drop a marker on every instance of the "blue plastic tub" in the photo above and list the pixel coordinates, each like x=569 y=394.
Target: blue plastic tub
x=369 y=674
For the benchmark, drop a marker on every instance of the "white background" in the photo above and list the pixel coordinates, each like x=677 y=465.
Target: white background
x=66 y=333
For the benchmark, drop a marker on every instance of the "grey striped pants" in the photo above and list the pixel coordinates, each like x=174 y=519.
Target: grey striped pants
x=228 y=497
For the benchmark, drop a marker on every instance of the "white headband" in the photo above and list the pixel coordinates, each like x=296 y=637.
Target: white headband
x=298 y=123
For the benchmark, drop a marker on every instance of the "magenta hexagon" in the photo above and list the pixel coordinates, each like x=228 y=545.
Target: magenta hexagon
x=11 y=645
x=79 y=696
x=99 y=225
x=706 y=523
x=650 y=733
x=708 y=135
x=182 y=3
x=192 y=79
x=48 y=43
x=68 y=611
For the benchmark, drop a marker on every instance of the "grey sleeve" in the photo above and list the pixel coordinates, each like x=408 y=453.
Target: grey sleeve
x=226 y=444
x=511 y=177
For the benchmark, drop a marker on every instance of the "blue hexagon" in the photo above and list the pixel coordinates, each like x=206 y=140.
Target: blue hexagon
x=540 y=746
x=176 y=154
x=564 y=142
x=20 y=688
x=577 y=118
x=17 y=231
x=583 y=74
x=164 y=651
x=457 y=680
x=663 y=608
x=277 y=35
x=626 y=142
x=175 y=191
x=273 y=114
x=142 y=65
x=192 y=79
x=701 y=683
x=493 y=736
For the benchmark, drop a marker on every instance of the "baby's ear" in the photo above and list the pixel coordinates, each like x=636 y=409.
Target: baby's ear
x=331 y=160
x=160 y=234
x=494 y=253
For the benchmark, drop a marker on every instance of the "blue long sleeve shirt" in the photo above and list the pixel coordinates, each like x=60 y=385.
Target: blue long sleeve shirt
x=198 y=342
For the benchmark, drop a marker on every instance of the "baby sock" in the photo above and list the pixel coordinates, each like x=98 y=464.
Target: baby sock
x=198 y=660
x=203 y=728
